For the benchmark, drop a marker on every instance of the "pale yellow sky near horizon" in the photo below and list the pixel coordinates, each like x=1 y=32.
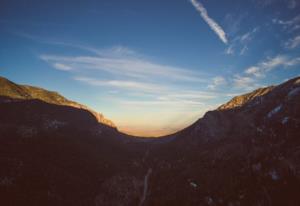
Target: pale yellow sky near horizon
x=142 y=126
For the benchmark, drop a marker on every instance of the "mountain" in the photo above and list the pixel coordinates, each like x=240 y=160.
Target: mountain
x=24 y=92
x=246 y=152
x=249 y=113
x=243 y=99
x=53 y=153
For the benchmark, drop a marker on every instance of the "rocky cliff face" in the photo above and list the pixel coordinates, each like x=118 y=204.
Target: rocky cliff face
x=19 y=92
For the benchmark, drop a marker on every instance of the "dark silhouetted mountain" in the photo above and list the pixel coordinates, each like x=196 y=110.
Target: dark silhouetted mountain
x=15 y=91
x=247 y=152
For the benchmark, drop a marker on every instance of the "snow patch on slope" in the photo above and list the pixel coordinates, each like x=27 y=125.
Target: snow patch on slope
x=274 y=111
x=145 y=191
x=294 y=92
x=285 y=120
x=53 y=124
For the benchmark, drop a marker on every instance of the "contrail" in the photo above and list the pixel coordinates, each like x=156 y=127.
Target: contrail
x=211 y=23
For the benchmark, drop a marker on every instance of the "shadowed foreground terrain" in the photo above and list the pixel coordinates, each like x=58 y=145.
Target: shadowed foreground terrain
x=247 y=152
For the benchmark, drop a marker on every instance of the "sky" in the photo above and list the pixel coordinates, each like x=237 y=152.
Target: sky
x=152 y=67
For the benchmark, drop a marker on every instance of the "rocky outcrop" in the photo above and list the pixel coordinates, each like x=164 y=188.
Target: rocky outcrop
x=243 y=99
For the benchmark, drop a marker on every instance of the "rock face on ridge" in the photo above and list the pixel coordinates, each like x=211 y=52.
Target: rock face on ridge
x=243 y=99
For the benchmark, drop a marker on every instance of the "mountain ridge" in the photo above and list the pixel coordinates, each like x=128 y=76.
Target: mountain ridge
x=243 y=155
x=243 y=111
x=26 y=92
x=240 y=100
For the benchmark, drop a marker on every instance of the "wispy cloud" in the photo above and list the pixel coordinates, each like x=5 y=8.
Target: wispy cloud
x=244 y=82
x=251 y=77
x=138 y=84
x=212 y=23
x=165 y=103
x=252 y=74
x=290 y=25
x=123 y=65
x=292 y=4
x=293 y=43
x=157 y=92
x=255 y=71
x=216 y=82
x=292 y=21
x=241 y=43
x=233 y=22
x=269 y=64
x=230 y=50
x=190 y=94
x=279 y=60
x=115 y=50
x=176 y=109
x=45 y=40
x=62 y=67
x=143 y=89
x=122 y=84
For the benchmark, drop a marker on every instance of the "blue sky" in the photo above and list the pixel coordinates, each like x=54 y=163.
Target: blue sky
x=152 y=67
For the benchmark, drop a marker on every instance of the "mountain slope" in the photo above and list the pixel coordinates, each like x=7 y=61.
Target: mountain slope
x=247 y=153
x=242 y=155
x=249 y=113
x=243 y=99
x=15 y=91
